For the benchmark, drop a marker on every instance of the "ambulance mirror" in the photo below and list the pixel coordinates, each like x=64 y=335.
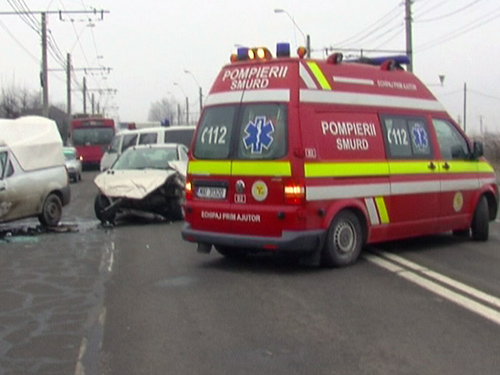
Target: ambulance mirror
x=478 y=150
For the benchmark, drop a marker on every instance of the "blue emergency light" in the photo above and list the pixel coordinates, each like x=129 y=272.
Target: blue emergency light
x=379 y=60
x=400 y=59
x=242 y=53
x=283 y=50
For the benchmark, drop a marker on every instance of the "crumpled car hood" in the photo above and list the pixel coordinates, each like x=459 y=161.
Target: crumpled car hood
x=133 y=184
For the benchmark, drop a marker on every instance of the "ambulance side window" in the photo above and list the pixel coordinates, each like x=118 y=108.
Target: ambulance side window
x=214 y=133
x=451 y=142
x=406 y=137
x=262 y=132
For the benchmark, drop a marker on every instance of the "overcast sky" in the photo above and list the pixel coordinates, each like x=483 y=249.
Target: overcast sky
x=149 y=44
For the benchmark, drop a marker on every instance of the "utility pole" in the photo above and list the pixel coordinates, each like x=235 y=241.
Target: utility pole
x=84 y=95
x=44 y=73
x=409 y=45
x=465 y=107
x=44 y=79
x=68 y=88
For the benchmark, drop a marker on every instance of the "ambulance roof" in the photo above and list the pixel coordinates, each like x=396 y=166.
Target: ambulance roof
x=35 y=141
x=376 y=82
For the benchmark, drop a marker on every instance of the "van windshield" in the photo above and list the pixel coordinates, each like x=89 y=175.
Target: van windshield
x=258 y=131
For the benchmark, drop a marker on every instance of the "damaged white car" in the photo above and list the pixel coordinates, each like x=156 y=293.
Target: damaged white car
x=148 y=178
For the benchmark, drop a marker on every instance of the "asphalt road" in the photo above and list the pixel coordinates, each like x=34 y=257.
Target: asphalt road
x=136 y=299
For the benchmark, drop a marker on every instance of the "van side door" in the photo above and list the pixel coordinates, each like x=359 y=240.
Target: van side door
x=18 y=191
x=414 y=179
x=458 y=175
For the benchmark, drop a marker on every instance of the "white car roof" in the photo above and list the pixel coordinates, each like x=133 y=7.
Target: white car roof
x=35 y=141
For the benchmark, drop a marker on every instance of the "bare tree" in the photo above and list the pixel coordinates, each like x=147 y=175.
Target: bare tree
x=162 y=109
x=14 y=102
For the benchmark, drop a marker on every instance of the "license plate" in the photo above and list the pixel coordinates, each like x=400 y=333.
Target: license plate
x=210 y=192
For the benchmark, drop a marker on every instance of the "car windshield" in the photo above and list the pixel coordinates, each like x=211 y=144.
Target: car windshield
x=146 y=158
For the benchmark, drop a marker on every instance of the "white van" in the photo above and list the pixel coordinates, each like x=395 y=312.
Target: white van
x=175 y=134
x=33 y=177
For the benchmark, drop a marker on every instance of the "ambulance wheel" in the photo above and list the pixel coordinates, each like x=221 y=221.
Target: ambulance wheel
x=480 y=222
x=100 y=204
x=344 y=240
x=51 y=211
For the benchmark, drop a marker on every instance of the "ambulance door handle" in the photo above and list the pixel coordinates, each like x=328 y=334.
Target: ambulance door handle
x=431 y=166
x=446 y=166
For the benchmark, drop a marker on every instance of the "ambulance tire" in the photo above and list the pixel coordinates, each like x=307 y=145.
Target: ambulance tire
x=344 y=240
x=51 y=211
x=480 y=222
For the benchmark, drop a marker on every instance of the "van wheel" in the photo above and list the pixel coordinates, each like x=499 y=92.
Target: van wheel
x=101 y=203
x=344 y=241
x=480 y=222
x=177 y=203
x=51 y=211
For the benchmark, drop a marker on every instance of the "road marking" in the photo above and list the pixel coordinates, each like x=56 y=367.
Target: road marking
x=415 y=273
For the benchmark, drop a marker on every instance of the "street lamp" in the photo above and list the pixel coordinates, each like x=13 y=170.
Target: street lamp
x=187 y=102
x=306 y=37
x=199 y=88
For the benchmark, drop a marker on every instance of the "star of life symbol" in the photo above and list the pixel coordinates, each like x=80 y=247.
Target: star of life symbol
x=258 y=135
x=419 y=136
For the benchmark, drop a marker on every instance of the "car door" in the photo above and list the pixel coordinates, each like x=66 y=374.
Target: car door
x=413 y=203
x=16 y=192
x=458 y=175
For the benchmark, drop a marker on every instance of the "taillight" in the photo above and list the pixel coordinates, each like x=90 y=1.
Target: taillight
x=294 y=193
x=189 y=190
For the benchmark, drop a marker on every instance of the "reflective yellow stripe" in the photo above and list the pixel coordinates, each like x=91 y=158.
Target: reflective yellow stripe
x=205 y=167
x=412 y=167
x=315 y=69
x=239 y=168
x=485 y=167
x=456 y=166
x=262 y=168
x=382 y=210
x=346 y=169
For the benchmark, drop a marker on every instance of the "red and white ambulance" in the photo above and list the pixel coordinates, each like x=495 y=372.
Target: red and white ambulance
x=322 y=157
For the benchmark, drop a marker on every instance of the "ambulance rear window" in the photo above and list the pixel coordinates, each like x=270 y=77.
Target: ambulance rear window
x=214 y=134
x=262 y=132
x=259 y=131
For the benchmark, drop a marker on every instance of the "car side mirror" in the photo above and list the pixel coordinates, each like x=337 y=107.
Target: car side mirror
x=478 y=149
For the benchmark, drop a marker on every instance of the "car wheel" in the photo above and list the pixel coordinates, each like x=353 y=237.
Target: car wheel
x=480 y=222
x=177 y=203
x=344 y=241
x=51 y=211
x=102 y=212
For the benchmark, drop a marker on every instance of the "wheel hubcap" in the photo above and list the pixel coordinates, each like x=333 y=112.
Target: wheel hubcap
x=345 y=238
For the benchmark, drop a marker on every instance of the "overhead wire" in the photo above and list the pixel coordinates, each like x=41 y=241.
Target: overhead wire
x=369 y=30
x=479 y=22
x=440 y=17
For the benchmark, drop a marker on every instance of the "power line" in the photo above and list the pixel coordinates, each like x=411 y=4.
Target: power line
x=358 y=37
x=18 y=42
x=449 y=14
x=456 y=33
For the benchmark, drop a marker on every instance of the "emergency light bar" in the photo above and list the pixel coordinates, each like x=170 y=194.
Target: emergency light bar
x=379 y=60
x=262 y=53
